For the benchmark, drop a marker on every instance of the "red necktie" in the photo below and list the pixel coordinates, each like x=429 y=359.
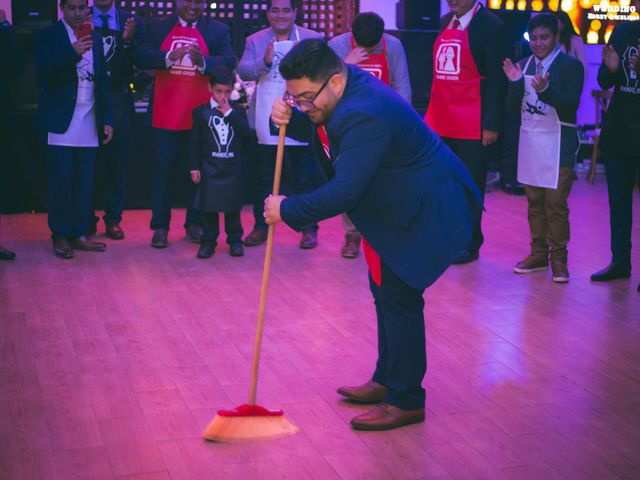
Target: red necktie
x=456 y=24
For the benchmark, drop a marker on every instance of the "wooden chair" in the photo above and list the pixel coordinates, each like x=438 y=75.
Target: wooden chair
x=603 y=98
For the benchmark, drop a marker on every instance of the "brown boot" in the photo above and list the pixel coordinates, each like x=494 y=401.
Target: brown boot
x=351 y=248
x=560 y=271
x=387 y=417
x=532 y=264
x=370 y=392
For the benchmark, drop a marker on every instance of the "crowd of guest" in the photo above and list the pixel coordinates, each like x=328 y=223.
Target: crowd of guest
x=85 y=67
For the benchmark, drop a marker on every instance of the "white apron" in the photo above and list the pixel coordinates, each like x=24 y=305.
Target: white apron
x=540 y=136
x=271 y=85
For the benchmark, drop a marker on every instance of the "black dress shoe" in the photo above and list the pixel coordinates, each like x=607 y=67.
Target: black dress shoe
x=159 y=239
x=62 y=249
x=194 y=233
x=257 y=237
x=6 y=254
x=236 y=250
x=467 y=256
x=612 y=272
x=206 y=250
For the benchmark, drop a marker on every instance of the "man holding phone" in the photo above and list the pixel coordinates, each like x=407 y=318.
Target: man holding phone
x=75 y=114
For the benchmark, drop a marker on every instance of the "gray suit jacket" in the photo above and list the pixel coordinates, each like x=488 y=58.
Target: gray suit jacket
x=252 y=66
x=396 y=57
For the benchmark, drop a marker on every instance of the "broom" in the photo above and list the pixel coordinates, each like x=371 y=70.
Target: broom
x=251 y=421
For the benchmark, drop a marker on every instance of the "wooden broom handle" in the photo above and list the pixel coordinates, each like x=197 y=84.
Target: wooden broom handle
x=265 y=272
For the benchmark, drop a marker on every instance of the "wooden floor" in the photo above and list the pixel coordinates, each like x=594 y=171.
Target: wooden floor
x=111 y=364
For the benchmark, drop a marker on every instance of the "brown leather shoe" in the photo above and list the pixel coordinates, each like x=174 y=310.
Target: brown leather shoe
x=309 y=240
x=257 y=237
x=83 y=243
x=61 y=248
x=560 y=271
x=387 y=417
x=370 y=392
x=532 y=264
x=114 y=232
x=351 y=248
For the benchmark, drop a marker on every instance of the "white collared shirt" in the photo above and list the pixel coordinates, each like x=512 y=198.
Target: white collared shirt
x=112 y=21
x=82 y=129
x=546 y=61
x=465 y=19
x=215 y=104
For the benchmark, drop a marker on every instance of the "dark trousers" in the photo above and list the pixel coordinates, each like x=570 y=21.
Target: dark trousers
x=548 y=214
x=473 y=155
x=170 y=160
x=112 y=158
x=402 y=357
x=300 y=174
x=211 y=227
x=622 y=172
x=71 y=171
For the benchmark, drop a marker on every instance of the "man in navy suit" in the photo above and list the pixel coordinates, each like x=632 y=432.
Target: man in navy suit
x=119 y=31
x=183 y=48
x=410 y=197
x=74 y=112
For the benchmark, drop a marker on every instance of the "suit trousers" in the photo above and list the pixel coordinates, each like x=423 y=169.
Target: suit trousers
x=402 y=357
x=211 y=227
x=300 y=174
x=71 y=172
x=112 y=157
x=549 y=217
x=622 y=174
x=472 y=154
x=170 y=160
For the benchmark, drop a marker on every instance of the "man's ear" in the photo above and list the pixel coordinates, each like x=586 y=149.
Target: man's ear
x=337 y=83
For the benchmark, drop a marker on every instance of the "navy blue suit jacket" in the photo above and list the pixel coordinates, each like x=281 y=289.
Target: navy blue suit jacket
x=58 y=81
x=149 y=55
x=405 y=191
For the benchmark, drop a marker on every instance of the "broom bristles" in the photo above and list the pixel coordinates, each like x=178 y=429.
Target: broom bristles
x=236 y=428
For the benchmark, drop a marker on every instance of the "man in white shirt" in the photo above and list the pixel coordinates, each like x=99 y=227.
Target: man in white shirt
x=75 y=113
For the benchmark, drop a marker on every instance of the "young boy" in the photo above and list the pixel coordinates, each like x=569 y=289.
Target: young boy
x=219 y=131
x=546 y=89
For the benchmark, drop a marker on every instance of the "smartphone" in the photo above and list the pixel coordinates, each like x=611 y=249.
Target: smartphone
x=84 y=30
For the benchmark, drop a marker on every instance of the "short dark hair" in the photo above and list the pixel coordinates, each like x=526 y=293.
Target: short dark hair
x=291 y=2
x=367 y=29
x=64 y=2
x=544 y=20
x=222 y=75
x=311 y=58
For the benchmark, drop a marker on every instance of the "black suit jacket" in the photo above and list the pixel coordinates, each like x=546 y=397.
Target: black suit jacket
x=149 y=55
x=488 y=43
x=566 y=79
x=120 y=67
x=58 y=81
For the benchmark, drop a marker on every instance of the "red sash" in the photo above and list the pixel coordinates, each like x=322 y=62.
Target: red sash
x=373 y=259
x=181 y=88
x=455 y=101
x=377 y=64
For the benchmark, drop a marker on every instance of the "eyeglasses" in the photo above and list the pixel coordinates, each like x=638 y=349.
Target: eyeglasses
x=306 y=105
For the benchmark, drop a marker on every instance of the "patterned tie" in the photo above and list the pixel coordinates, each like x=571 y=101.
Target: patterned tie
x=105 y=20
x=456 y=24
x=539 y=68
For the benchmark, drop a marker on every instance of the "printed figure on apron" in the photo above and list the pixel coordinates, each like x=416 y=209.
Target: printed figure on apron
x=545 y=90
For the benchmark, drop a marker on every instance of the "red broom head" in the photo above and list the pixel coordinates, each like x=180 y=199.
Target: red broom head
x=248 y=422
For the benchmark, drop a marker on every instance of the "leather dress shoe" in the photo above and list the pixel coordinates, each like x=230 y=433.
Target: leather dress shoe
x=351 y=247
x=62 y=249
x=387 y=417
x=236 y=250
x=612 y=272
x=194 y=233
x=114 y=232
x=159 y=239
x=83 y=243
x=6 y=254
x=257 y=237
x=206 y=250
x=370 y=392
x=467 y=256
x=309 y=240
